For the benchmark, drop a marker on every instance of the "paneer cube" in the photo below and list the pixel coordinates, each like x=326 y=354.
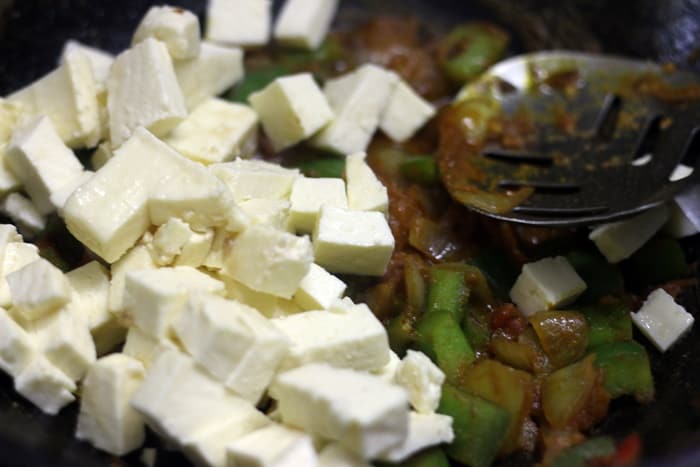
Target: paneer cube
x=662 y=320
x=8 y=181
x=273 y=445
x=38 y=289
x=106 y=419
x=424 y=430
x=336 y=455
x=355 y=339
x=216 y=131
x=143 y=91
x=169 y=240
x=239 y=22
x=233 y=342
x=271 y=212
x=618 y=240
x=309 y=194
x=144 y=347
x=177 y=28
x=546 y=284
x=405 y=113
x=155 y=298
x=23 y=214
x=196 y=249
x=136 y=259
x=60 y=196
x=318 y=289
x=365 y=191
x=17 y=349
x=268 y=305
x=358 y=100
x=215 y=70
x=44 y=385
x=365 y=414
x=253 y=179
x=68 y=96
x=16 y=256
x=352 y=242
x=422 y=379
x=41 y=162
x=101 y=155
x=303 y=23
x=100 y=61
x=388 y=371
x=10 y=114
x=291 y=108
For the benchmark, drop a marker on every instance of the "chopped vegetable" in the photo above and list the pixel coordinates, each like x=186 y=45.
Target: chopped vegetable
x=447 y=292
x=581 y=454
x=562 y=334
x=420 y=169
x=470 y=49
x=441 y=338
x=607 y=323
x=626 y=369
x=255 y=80
x=331 y=167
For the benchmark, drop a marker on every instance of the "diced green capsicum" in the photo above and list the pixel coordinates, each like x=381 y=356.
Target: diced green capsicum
x=441 y=338
x=479 y=426
x=327 y=167
x=581 y=454
x=601 y=277
x=255 y=80
x=608 y=322
x=420 y=169
x=626 y=369
x=447 y=292
x=470 y=49
x=434 y=457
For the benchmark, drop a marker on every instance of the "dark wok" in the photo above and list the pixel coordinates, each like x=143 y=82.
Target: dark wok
x=32 y=33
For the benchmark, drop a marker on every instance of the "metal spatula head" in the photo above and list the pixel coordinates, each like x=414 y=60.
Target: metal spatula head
x=600 y=138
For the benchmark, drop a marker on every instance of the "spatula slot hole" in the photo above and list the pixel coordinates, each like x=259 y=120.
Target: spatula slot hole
x=646 y=146
x=689 y=159
x=543 y=187
x=519 y=157
x=606 y=121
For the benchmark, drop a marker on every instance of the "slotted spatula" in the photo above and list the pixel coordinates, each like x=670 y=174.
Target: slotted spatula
x=611 y=136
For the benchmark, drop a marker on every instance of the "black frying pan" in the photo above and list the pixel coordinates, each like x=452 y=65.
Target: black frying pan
x=32 y=33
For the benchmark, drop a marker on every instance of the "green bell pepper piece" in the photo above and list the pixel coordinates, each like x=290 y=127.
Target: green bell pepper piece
x=581 y=454
x=420 y=169
x=607 y=323
x=626 y=368
x=447 y=291
x=441 y=338
x=255 y=80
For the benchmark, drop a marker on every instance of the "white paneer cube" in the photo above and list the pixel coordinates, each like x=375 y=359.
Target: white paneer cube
x=101 y=155
x=365 y=414
x=216 y=131
x=405 y=113
x=352 y=242
x=355 y=339
x=154 y=298
x=196 y=249
x=304 y=23
x=183 y=404
x=421 y=379
x=90 y=284
x=144 y=347
x=318 y=289
x=365 y=191
x=309 y=194
x=38 y=289
x=106 y=419
x=271 y=212
x=546 y=284
x=17 y=348
x=176 y=27
x=68 y=96
x=44 y=385
x=143 y=91
x=662 y=320
x=678 y=224
x=10 y=114
x=136 y=259
x=424 y=430
x=269 y=260
x=254 y=179
x=239 y=22
x=269 y=305
x=219 y=245
x=23 y=214
x=388 y=371
x=208 y=448
x=60 y=196
x=16 y=256
x=273 y=446
x=8 y=181
x=335 y=455
x=358 y=100
x=291 y=108
x=169 y=240
x=40 y=160
x=100 y=61
x=618 y=240
x=214 y=71
x=232 y=341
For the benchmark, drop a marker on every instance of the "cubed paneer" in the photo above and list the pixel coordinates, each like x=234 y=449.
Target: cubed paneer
x=352 y=242
x=355 y=339
x=273 y=445
x=38 y=289
x=618 y=240
x=233 y=342
x=422 y=379
x=136 y=259
x=309 y=194
x=23 y=214
x=41 y=162
x=405 y=113
x=365 y=191
x=60 y=196
x=216 y=131
x=424 y=430
x=239 y=22
x=365 y=414
x=254 y=179
x=10 y=114
x=177 y=28
x=144 y=347
x=106 y=419
x=154 y=298
x=101 y=155
x=662 y=320
x=169 y=240
x=143 y=91
x=100 y=61
x=17 y=349
x=269 y=260
x=291 y=109
x=358 y=100
x=546 y=284
x=16 y=255
x=388 y=371
x=68 y=96
x=269 y=305
x=271 y=212
x=304 y=23
x=318 y=289
x=215 y=70
x=196 y=249
x=8 y=181
x=44 y=385
x=336 y=455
